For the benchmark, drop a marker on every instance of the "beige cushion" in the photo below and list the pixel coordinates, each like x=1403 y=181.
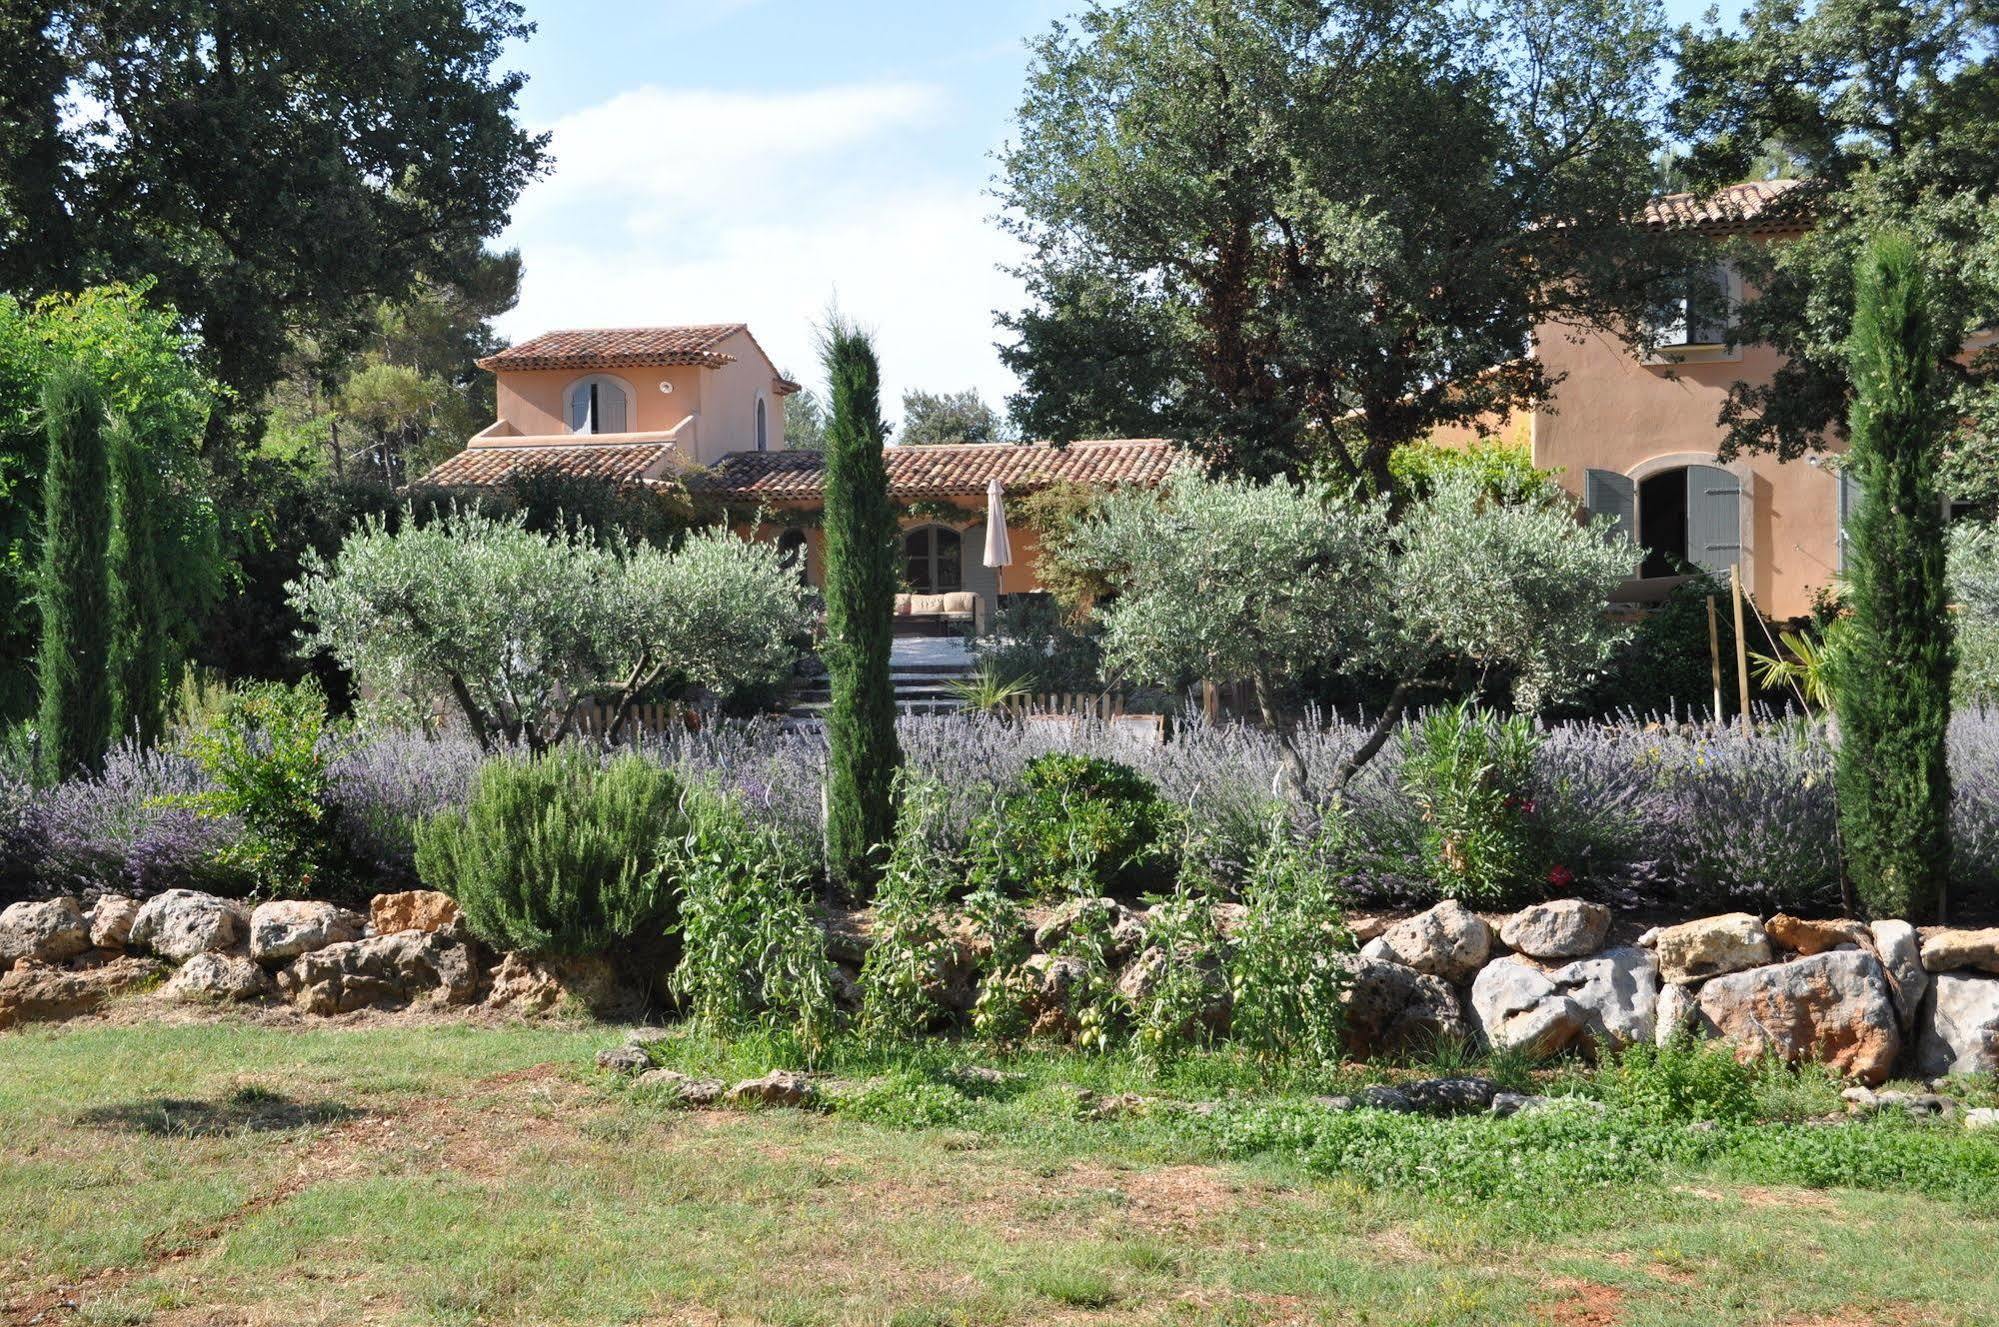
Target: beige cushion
x=961 y=601
x=902 y=605
x=927 y=603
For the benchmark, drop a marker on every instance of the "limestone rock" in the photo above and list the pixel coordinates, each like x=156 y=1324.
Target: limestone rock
x=1983 y=1117
x=111 y=921
x=1449 y=941
x=1565 y=928
x=1678 y=1012
x=1948 y=951
x=413 y=910
x=1900 y=951
x=1618 y=991
x=1815 y=937
x=217 y=978
x=382 y=971
x=1958 y=1032
x=288 y=928
x=1391 y=1007
x=1711 y=947
x=624 y=1059
x=1125 y=928
x=32 y=992
x=1833 y=1007
x=1518 y=1006
x=779 y=1087
x=685 y=1089
x=46 y=932
x=1450 y=1096
x=181 y=923
x=1379 y=948
x=530 y=986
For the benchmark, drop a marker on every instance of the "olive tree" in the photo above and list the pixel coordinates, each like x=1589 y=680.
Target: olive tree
x=1225 y=578
x=519 y=626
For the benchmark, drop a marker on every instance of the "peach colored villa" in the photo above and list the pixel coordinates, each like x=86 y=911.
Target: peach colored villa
x=1632 y=438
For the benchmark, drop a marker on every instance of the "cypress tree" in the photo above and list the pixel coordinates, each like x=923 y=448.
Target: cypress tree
x=1893 y=690
x=141 y=646
x=72 y=666
x=861 y=580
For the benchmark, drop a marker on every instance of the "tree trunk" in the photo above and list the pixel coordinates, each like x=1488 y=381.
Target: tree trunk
x=1391 y=714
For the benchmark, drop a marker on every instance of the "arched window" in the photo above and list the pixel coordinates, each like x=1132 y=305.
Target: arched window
x=598 y=404
x=1685 y=518
x=791 y=549
x=935 y=557
x=763 y=427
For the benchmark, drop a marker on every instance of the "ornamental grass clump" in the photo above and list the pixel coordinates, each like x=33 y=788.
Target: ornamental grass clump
x=557 y=853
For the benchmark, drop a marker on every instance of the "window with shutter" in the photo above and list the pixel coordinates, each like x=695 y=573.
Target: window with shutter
x=1714 y=517
x=1696 y=312
x=598 y=405
x=1849 y=503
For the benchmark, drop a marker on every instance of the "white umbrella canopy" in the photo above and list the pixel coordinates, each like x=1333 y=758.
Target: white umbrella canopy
x=998 y=548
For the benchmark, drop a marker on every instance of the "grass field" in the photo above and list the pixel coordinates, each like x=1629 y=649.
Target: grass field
x=232 y=1172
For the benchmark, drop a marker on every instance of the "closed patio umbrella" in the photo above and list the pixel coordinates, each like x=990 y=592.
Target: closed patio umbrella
x=999 y=550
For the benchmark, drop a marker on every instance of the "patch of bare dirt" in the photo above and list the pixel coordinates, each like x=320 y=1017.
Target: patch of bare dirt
x=1584 y=1304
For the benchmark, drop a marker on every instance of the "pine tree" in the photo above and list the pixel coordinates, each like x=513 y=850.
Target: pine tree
x=73 y=664
x=1894 y=687
x=142 y=646
x=861 y=579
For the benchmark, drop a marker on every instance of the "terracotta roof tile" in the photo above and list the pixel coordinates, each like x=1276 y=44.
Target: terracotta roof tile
x=1753 y=205
x=482 y=467
x=619 y=348
x=958 y=470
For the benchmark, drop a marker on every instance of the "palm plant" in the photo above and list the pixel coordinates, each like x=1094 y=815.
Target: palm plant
x=1808 y=666
x=989 y=692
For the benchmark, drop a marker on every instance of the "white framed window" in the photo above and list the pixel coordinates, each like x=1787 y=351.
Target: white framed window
x=1696 y=311
x=763 y=424
x=598 y=404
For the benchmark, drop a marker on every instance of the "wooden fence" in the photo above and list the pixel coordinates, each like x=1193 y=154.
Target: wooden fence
x=593 y=719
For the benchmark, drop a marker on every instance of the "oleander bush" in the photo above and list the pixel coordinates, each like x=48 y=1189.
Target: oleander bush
x=558 y=853
x=1468 y=775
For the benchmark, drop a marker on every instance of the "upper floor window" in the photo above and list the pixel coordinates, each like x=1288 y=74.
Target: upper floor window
x=598 y=404
x=1695 y=311
x=763 y=426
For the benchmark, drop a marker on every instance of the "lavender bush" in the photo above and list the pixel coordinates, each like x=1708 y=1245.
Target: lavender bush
x=381 y=786
x=112 y=833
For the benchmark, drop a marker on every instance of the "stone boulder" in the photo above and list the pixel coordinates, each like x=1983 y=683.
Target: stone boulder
x=1958 y=1032
x=1449 y=941
x=413 y=910
x=32 y=992
x=409 y=967
x=285 y=929
x=46 y=932
x=1833 y=1007
x=683 y=1089
x=1564 y=928
x=1678 y=1011
x=1949 y=951
x=217 y=978
x=626 y=1059
x=111 y=921
x=181 y=923
x=1125 y=929
x=779 y=1087
x=1806 y=938
x=1518 y=1006
x=1391 y=1007
x=531 y=986
x=1618 y=991
x=1901 y=953
x=1711 y=947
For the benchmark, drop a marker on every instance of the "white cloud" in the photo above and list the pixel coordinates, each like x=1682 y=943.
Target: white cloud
x=671 y=205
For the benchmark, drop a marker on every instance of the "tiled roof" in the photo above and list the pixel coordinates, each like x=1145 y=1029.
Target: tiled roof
x=481 y=467
x=950 y=471
x=1754 y=205
x=619 y=348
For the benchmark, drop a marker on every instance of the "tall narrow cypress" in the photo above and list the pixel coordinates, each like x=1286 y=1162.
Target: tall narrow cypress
x=72 y=666
x=1893 y=688
x=861 y=579
x=142 y=644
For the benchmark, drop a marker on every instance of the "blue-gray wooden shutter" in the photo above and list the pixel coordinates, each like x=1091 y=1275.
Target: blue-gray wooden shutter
x=1607 y=493
x=1849 y=503
x=1714 y=517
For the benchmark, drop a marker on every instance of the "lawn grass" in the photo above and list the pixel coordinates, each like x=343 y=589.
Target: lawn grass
x=231 y=1172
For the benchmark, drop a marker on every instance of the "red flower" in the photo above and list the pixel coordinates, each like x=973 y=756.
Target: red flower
x=1561 y=877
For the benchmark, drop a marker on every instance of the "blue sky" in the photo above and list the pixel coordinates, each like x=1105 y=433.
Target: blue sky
x=756 y=160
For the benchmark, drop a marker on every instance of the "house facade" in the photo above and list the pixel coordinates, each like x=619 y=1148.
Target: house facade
x=1636 y=438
